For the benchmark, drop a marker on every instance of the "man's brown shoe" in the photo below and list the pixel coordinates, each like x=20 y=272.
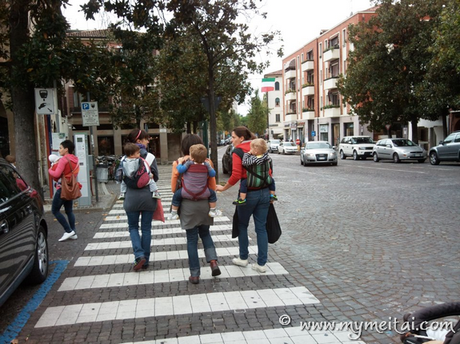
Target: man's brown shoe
x=214 y=268
x=194 y=279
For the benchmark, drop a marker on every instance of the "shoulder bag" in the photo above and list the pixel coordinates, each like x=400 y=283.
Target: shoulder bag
x=70 y=188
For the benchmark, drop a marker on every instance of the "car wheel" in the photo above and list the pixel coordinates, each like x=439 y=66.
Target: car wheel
x=301 y=161
x=342 y=156
x=434 y=160
x=421 y=161
x=40 y=269
x=396 y=158
x=334 y=163
x=376 y=157
x=355 y=155
x=224 y=171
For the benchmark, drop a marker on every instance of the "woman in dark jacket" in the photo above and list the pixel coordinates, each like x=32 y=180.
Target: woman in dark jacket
x=138 y=203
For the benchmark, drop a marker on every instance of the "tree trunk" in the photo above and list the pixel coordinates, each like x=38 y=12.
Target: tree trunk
x=22 y=95
x=414 y=126
x=213 y=120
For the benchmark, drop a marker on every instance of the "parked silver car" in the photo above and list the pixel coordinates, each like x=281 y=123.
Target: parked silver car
x=318 y=152
x=398 y=149
x=447 y=150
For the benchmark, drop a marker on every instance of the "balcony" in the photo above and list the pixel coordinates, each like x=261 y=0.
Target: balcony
x=290 y=95
x=330 y=83
x=291 y=117
x=331 y=54
x=308 y=114
x=290 y=74
x=308 y=65
x=332 y=111
x=308 y=90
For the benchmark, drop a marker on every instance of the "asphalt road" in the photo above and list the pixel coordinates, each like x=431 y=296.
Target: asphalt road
x=372 y=241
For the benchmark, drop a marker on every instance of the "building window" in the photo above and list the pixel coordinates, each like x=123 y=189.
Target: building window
x=310 y=56
x=344 y=37
x=277 y=102
x=277 y=86
x=278 y=118
x=334 y=98
x=334 y=68
x=320 y=50
x=334 y=42
x=302 y=57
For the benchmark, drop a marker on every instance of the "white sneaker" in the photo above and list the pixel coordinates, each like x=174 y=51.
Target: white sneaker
x=258 y=268
x=240 y=262
x=122 y=196
x=214 y=213
x=75 y=237
x=173 y=216
x=66 y=236
x=156 y=194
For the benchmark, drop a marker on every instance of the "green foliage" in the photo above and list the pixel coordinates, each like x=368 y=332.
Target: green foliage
x=257 y=115
x=390 y=62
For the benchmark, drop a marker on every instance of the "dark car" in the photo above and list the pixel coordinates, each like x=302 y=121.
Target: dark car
x=23 y=233
x=447 y=150
x=227 y=160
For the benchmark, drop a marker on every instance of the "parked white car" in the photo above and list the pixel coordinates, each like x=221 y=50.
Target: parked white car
x=287 y=148
x=273 y=145
x=359 y=147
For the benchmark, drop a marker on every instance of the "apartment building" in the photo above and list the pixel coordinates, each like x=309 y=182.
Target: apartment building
x=275 y=106
x=313 y=107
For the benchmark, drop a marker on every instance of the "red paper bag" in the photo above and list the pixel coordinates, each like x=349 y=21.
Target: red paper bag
x=159 y=214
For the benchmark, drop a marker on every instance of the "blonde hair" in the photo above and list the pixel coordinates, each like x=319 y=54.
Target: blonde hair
x=199 y=153
x=259 y=145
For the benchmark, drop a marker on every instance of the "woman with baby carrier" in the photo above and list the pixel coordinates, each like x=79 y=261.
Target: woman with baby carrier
x=256 y=204
x=194 y=217
x=138 y=203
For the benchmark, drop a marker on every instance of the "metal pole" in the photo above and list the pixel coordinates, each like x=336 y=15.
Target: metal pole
x=94 y=156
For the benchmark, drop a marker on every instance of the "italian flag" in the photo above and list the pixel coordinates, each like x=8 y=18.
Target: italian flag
x=268 y=84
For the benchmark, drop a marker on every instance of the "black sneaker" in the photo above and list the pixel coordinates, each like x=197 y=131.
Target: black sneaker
x=240 y=201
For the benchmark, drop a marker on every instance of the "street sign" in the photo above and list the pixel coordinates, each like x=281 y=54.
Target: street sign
x=387 y=126
x=89 y=114
x=313 y=133
x=44 y=101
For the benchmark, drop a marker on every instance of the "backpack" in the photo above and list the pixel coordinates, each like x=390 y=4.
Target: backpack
x=258 y=176
x=140 y=178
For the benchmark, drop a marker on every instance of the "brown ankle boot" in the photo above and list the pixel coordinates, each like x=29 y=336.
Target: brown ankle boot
x=214 y=268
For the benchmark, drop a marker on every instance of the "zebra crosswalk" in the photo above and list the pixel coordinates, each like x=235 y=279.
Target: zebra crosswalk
x=237 y=290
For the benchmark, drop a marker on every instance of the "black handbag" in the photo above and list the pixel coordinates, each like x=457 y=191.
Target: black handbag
x=273 y=225
x=235 y=230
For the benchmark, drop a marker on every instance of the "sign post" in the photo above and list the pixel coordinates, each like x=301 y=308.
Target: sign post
x=90 y=117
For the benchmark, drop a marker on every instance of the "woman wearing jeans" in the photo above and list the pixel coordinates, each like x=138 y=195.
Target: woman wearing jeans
x=139 y=203
x=195 y=220
x=68 y=163
x=257 y=204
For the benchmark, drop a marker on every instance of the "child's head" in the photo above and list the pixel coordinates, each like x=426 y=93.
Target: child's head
x=258 y=146
x=198 y=153
x=132 y=150
x=11 y=159
x=53 y=158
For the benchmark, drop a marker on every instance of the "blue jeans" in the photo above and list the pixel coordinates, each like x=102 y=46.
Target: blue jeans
x=257 y=204
x=56 y=206
x=141 y=245
x=192 y=248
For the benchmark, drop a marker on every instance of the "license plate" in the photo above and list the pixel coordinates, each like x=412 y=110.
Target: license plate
x=417 y=155
x=321 y=158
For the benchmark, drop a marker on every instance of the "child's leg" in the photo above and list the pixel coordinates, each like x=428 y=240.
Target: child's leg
x=154 y=189
x=213 y=212
x=242 y=194
x=272 y=189
x=175 y=204
x=123 y=188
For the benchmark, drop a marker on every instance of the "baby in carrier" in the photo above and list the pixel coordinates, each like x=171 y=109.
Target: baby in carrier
x=130 y=168
x=258 y=165
x=196 y=172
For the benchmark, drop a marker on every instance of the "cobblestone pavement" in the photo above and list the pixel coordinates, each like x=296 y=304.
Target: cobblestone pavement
x=362 y=242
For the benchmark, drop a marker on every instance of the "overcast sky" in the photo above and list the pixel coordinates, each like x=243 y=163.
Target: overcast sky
x=299 y=22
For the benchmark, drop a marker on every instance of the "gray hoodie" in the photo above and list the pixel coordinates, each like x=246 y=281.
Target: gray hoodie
x=130 y=166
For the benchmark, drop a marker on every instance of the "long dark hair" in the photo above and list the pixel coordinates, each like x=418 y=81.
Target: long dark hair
x=69 y=145
x=188 y=141
x=243 y=131
x=137 y=134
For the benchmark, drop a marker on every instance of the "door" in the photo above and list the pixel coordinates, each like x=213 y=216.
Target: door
x=17 y=237
x=447 y=151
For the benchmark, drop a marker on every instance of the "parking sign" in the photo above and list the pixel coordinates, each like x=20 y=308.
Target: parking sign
x=89 y=114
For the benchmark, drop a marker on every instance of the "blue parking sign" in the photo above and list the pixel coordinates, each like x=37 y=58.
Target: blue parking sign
x=313 y=133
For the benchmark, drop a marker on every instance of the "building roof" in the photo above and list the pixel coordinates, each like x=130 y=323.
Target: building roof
x=89 y=33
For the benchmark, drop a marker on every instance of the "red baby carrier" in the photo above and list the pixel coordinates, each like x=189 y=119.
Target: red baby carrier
x=195 y=183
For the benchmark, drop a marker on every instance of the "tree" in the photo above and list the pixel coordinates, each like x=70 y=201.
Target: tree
x=257 y=115
x=389 y=63
x=226 y=44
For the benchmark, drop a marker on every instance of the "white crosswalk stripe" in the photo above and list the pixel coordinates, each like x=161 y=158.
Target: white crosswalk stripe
x=111 y=236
